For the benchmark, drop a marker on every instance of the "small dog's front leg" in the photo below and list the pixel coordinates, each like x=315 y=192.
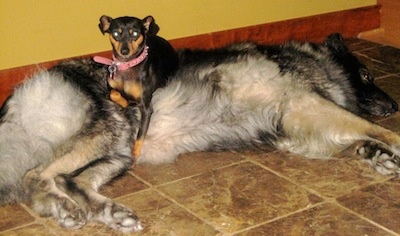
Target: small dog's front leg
x=145 y=121
x=116 y=97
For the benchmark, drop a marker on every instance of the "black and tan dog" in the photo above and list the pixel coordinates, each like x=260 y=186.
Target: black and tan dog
x=142 y=62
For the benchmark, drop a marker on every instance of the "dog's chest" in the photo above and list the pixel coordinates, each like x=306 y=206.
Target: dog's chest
x=129 y=82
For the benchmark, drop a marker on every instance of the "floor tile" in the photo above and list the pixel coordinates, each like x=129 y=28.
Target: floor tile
x=380 y=60
x=91 y=229
x=186 y=165
x=356 y=45
x=390 y=84
x=378 y=202
x=377 y=68
x=123 y=185
x=326 y=219
x=330 y=178
x=236 y=197
x=35 y=229
x=13 y=215
x=392 y=123
x=386 y=55
x=161 y=216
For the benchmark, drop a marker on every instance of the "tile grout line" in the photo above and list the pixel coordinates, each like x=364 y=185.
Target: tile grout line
x=190 y=176
x=365 y=218
x=166 y=196
x=152 y=187
x=310 y=190
x=36 y=220
x=333 y=200
x=282 y=217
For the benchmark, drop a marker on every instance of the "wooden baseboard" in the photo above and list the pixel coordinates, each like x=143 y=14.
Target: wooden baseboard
x=313 y=28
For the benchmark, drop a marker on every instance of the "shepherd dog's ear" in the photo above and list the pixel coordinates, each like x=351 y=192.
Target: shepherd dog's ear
x=336 y=43
x=150 y=25
x=105 y=22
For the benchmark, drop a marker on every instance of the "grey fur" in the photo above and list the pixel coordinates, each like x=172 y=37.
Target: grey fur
x=61 y=138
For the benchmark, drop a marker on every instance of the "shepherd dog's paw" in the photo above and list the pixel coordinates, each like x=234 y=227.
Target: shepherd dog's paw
x=380 y=157
x=119 y=217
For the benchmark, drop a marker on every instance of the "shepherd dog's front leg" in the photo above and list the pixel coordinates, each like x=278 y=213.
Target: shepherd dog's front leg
x=317 y=128
x=44 y=184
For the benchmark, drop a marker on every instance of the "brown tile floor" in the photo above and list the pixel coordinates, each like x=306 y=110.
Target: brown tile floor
x=253 y=193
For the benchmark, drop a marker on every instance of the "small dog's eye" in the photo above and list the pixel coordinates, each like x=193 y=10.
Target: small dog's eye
x=115 y=34
x=134 y=34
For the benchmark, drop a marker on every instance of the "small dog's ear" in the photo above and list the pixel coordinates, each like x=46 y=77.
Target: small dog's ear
x=105 y=22
x=150 y=25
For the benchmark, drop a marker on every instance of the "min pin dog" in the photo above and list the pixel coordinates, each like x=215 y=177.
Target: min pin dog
x=142 y=62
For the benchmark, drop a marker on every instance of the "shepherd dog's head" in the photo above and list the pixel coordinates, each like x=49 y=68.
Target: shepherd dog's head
x=370 y=98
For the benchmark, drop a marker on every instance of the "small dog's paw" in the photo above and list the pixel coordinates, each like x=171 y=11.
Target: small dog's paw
x=120 y=217
x=116 y=97
x=380 y=158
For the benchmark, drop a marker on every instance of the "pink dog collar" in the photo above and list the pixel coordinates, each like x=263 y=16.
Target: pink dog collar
x=115 y=65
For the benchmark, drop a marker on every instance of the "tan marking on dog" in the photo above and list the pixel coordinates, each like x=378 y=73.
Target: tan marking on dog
x=134 y=89
x=133 y=46
x=137 y=148
x=84 y=152
x=116 y=83
x=116 y=97
x=116 y=44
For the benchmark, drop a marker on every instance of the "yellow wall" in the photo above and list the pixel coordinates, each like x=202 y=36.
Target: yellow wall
x=35 y=31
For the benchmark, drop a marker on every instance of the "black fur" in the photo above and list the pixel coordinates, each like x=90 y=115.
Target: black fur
x=363 y=96
x=129 y=37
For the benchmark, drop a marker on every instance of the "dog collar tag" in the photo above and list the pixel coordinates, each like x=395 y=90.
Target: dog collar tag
x=112 y=69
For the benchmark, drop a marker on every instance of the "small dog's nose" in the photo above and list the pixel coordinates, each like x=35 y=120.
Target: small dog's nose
x=124 y=51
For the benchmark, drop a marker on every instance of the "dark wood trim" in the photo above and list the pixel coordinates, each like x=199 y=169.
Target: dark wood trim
x=313 y=28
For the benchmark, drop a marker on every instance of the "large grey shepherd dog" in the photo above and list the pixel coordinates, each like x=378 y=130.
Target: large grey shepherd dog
x=61 y=137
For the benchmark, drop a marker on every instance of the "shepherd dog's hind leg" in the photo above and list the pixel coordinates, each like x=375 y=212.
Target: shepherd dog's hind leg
x=49 y=197
x=58 y=205
x=100 y=208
